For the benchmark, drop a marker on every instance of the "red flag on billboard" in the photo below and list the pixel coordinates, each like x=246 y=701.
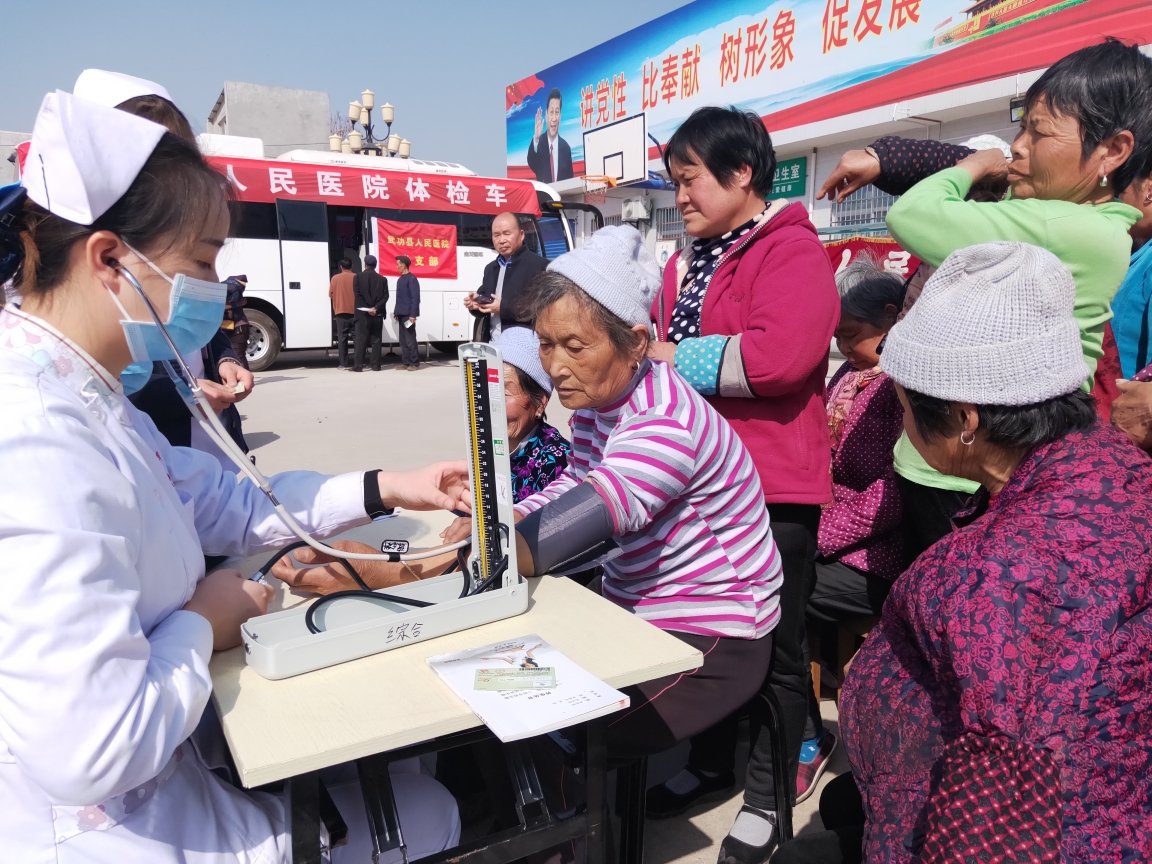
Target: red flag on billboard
x=430 y=248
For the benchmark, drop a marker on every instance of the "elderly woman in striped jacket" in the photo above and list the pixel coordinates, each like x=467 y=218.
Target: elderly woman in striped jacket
x=658 y=489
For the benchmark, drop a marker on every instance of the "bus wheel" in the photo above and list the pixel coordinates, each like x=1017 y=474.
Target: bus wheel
x=264 y=340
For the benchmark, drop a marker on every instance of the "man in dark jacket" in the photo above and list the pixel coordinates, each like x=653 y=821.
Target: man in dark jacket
x=498 y=302
x=407 y=311
x=225 y=381
x=371 y=292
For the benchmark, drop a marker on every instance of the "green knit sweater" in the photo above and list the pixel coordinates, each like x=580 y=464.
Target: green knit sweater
x=932 y=220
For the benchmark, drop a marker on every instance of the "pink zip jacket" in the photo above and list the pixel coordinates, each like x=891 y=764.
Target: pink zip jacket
x=773 y=303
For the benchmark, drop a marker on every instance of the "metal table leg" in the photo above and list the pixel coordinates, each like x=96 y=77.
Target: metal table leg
x=304 y=795
x=631 y=783
x=596 y=769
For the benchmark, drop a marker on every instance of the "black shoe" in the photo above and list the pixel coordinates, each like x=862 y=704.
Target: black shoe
x=663 y=803
x=375 y=368
x=356 y=369
x=733 y=851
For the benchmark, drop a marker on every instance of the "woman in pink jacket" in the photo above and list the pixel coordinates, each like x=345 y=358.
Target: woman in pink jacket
x=746 y=314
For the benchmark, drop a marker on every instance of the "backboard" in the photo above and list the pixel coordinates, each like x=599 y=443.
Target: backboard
x=618 y=150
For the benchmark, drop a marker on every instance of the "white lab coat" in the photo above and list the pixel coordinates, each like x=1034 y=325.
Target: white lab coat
x=103 y=676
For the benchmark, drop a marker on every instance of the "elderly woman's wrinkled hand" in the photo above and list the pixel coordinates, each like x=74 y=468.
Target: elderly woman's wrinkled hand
x=327 y=576
x=460 y=529
x=986 y=165
x=1132 y=412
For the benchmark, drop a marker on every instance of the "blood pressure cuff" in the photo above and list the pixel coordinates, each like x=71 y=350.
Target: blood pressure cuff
x=572 y=533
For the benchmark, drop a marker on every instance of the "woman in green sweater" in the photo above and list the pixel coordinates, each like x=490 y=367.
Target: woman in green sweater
x=1087 y=127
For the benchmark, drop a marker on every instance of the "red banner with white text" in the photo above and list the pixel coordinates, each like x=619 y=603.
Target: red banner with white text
x=264 y=180
x=886 y=250
x=430 y=248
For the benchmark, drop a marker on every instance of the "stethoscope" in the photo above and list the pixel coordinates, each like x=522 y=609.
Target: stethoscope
x=193 y=396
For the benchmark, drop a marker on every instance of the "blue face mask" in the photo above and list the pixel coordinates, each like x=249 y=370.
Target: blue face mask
x=196 y=310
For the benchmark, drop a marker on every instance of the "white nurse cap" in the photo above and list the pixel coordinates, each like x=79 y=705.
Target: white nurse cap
x=84 y=156
x=112 y=88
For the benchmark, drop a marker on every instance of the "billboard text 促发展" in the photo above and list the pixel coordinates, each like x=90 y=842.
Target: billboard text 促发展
x=792 y=62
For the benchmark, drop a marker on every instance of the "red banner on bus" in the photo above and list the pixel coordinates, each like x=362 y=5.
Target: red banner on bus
x=264 y=181
x=430 y=248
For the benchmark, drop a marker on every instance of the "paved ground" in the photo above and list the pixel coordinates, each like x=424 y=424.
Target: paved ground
x=304 y=413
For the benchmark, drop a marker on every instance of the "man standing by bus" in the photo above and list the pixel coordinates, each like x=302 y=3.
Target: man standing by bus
x=343 y=296
x=407 y=311
x=371 y=290
x=497 y=304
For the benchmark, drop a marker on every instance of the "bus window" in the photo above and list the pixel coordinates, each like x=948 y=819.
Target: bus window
x=303 y=220
x=475 y=230
x=252 y=221
x=531 y=235
x=552 y=233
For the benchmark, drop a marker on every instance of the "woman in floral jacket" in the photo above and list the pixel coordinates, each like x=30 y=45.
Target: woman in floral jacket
x=1029 y=624
x=860 y=542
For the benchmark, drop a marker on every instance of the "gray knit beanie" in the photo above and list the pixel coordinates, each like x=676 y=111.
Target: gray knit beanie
x=521 y=347
x=615 y=269
x=993 y=326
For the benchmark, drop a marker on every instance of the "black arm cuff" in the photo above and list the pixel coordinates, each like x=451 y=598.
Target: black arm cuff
x=373 y=505
x=564 y=531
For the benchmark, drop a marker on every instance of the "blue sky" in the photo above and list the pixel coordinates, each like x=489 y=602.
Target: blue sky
x=443 y=63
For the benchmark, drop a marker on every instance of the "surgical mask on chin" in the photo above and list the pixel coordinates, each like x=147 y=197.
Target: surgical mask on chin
x=196 y=309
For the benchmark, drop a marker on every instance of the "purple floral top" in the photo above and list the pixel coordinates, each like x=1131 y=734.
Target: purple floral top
x=1031 y=621
x=861 y=527
x=538 y=461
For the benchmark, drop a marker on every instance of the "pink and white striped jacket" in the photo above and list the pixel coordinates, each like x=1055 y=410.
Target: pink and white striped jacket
x=697 y=550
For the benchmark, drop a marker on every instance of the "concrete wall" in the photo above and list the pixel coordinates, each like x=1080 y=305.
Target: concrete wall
x=284 y=118
x=8 y=142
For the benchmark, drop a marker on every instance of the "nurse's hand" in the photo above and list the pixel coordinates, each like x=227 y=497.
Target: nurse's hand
x=227 y=600
x=439 y=486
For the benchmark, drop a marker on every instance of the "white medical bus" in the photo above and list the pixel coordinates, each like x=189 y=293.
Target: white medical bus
x=296 y=216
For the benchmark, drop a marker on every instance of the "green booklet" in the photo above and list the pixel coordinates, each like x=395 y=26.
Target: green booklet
x=515 y=679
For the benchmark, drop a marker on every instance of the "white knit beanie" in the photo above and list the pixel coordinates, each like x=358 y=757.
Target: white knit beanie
x=521 y=347
x=993 y=326
x=615 y=269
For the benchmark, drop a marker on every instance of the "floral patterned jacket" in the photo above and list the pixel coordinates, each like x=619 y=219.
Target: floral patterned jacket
x=538 y=461
x=1030 y=621
x=861 y=527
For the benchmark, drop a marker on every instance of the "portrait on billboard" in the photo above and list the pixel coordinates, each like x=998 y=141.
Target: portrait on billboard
x=549 y=155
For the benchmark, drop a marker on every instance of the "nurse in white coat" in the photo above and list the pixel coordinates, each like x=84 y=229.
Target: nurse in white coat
x=107 y=622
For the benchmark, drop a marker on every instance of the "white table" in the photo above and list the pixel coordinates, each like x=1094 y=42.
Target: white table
x=295 y=726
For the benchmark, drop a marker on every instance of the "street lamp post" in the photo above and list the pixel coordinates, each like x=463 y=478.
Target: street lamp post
x=357 y=142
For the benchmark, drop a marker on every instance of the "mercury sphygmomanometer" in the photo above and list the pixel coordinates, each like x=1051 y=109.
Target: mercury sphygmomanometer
x=342 y=626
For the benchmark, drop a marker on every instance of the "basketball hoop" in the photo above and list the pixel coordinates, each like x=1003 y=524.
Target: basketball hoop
x=596 y=188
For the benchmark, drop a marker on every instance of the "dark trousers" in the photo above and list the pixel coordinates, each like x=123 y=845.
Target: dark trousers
x=667 y=710
x=842 y=812
x=928 y=514
x=239 y=339
x=794 y=529
x=369 y=328
x=345 y=324
x=409 y=349
x=842 y=592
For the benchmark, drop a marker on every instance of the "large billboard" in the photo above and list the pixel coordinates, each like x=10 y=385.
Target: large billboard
x=792 y=62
